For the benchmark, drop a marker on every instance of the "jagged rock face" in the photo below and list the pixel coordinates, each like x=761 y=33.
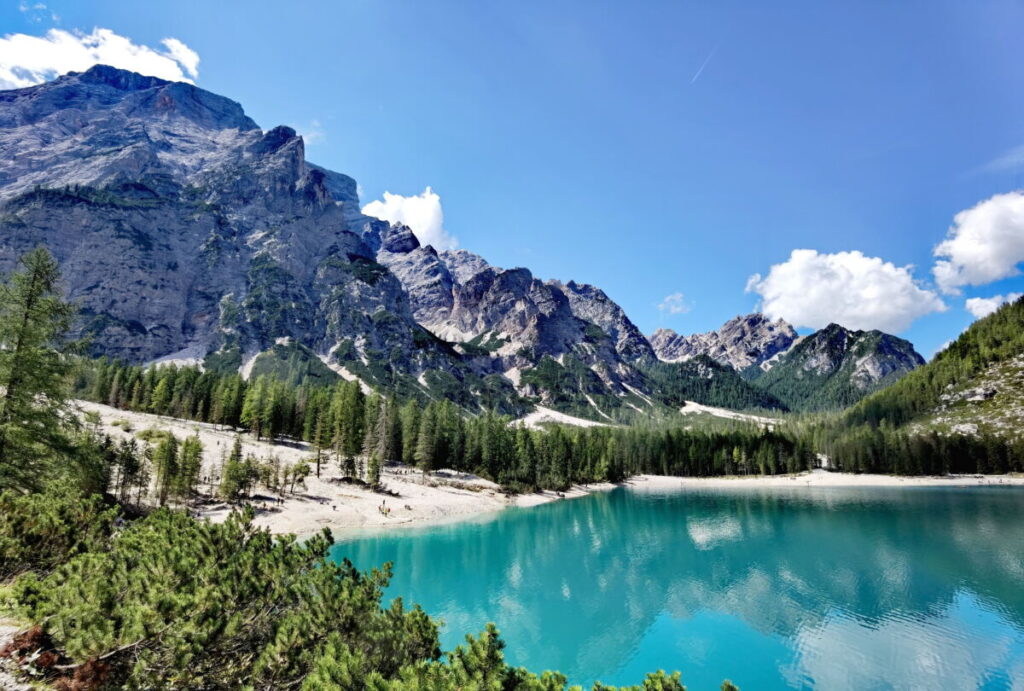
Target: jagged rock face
x=424 y=277
x=835 y=367
x=593 y=305
x=180 y=225
x=871 y=356
x=463 y=264
x=519 y=319
x=741 y=343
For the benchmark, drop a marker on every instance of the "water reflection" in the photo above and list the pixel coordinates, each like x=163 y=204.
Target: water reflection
x=775 y=588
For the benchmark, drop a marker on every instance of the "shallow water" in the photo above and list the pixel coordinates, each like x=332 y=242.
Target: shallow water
x=809 y=588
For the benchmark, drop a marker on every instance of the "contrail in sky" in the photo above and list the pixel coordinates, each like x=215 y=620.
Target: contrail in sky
x=704 y=64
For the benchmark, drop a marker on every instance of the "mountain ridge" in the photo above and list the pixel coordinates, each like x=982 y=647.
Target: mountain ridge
x=187 y=233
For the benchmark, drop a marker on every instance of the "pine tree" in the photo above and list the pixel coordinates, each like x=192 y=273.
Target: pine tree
x=254 y=406
x=161 y=398
x=235 y=476
x=409 y=422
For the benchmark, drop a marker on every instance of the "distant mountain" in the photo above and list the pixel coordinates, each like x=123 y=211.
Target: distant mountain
x=829 y=369
x=836 y=367
x=584 y=339
x=741 y=343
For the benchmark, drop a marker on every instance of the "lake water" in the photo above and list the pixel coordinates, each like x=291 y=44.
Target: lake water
x=772 y=588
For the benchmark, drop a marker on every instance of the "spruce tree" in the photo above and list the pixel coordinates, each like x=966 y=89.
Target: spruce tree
x=165 y=460
x=189 y=466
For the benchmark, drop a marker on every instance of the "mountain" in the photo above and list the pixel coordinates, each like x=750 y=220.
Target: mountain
x=573 y=333
x=741 y=343
x=836 y=367
x=185 y=233
x=975 y=386
x=829 y=369
x=188 y=234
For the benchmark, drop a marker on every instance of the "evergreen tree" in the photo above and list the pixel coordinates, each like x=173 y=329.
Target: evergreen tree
x=189 y=466
x=165 y=461
x=373 y=470
x=426 y=441
x=34 y=320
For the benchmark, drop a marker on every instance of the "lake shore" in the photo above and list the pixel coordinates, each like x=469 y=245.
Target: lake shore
x=820 y=478
x=412 y=499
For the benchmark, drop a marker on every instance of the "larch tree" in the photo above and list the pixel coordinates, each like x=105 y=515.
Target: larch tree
x=34 y=411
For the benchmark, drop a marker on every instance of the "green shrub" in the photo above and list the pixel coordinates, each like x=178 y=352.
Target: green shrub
x=40 y=531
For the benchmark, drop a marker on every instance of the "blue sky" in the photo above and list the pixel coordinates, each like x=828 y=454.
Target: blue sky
x=654 y=149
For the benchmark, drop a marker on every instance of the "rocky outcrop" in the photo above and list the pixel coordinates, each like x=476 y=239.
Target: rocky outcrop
x=593 y=305
x=741 y=343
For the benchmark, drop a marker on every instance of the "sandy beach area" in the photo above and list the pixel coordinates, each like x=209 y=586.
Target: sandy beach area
x=327 y=501
x=442 y=496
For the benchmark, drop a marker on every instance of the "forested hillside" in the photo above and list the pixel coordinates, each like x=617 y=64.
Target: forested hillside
x=998 y=338
x=922 y=423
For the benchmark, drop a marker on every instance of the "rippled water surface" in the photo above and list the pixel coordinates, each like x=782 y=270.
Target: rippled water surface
x=773 y=588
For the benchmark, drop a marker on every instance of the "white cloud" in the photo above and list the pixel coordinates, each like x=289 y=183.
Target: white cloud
x=37 y=12
x=422 y=213
x=984 y=244
x=674 y=304
x=982 y=307
x=183 y=55
x=1011 y=159
x=26 y=60
x=849 y=288
x=312 y=133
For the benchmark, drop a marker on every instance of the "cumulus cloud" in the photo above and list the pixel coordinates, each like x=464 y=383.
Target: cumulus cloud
x=859 y=292
x=26 y=60
x=982 y=307
x=984 y=244
x=421 y=212
x=674 y=304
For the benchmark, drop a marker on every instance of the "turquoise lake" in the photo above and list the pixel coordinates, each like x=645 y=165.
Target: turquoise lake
x=916 y=588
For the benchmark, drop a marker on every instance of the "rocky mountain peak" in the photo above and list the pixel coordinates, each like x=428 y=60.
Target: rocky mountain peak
x=186 y=232
x=123 y=80
x=742 y=342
